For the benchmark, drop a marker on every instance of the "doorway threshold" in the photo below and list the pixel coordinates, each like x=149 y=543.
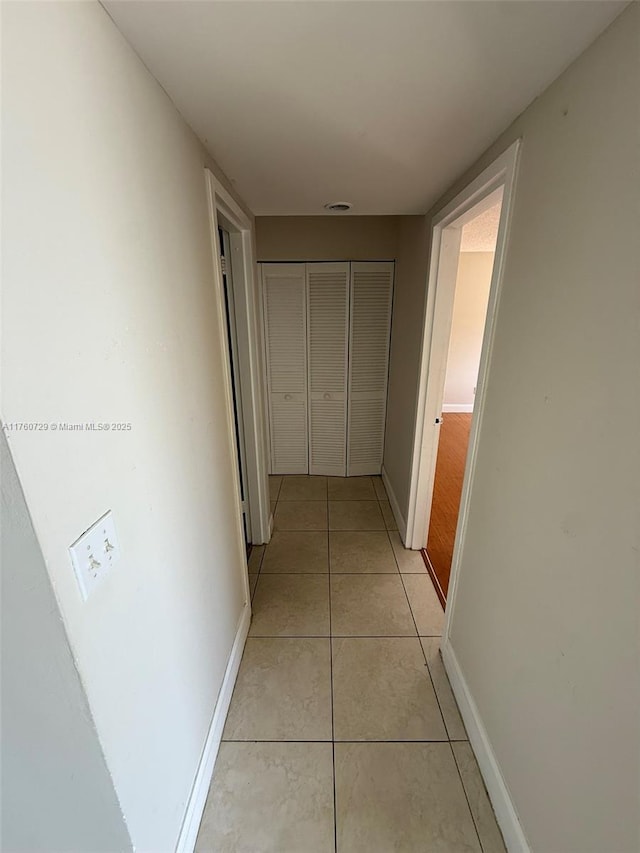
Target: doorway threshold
x=434 y=578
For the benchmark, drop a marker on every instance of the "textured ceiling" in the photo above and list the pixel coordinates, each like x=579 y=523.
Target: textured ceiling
x=383 y=104
x=481 y=233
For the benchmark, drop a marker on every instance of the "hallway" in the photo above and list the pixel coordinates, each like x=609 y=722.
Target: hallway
x=343 y=732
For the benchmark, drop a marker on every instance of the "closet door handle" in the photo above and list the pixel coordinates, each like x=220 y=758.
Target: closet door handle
x=327 y=396
x=288 y=396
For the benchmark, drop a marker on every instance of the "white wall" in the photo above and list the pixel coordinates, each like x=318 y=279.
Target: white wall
x=467 y=329
x=109 y=315
x=327 y=238
x=56 y=790
x=545 y=617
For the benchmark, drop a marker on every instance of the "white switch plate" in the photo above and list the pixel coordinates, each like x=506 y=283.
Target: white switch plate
x=94 y=553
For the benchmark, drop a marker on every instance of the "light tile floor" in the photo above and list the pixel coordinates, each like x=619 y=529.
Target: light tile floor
x=343 y=733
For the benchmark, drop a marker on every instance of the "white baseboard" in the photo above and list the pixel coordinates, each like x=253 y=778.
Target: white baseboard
x=503 y=806
x=198 y=797
x=457 y=407
x=395 y=506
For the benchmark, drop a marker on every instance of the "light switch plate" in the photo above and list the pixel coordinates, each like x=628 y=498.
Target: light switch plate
x=94 y=554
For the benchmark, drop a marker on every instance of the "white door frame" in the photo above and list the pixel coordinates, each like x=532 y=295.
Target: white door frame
x=445 y=248
x=225 y=240
x=224 y=211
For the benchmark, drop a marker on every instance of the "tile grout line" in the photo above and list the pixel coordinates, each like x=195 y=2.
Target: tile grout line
x=424 y=656
x=378 y=499
x=333 y=755
x=351 y=740
x=426 y=663
x=333 y=733
x=264 y=553
x=331 y=638
x=343 y=636
x=428 y=668
x=352 y=574
x=435 y=693
x=464 y=789
x=258 y=573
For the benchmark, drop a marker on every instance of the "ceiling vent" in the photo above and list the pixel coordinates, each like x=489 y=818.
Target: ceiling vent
x=338 y=206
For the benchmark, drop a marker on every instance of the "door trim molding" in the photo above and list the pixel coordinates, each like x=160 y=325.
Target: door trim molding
x=445 y=242
x=434 y=578
x=446 y=228
x=224 y=211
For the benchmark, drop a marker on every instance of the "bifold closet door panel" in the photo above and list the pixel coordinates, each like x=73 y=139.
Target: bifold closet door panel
x=370 y=328
x=327 y=353
x=285 y=321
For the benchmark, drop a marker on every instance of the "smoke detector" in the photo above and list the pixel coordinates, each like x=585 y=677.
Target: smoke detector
x=338 y=206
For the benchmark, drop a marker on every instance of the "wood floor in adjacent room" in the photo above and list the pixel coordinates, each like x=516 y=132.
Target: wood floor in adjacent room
x=452 y=455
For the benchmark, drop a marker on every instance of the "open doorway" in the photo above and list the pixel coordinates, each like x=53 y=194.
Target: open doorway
x=226 y=265
x=468 y=320
x=495 y=185
x=238 y=312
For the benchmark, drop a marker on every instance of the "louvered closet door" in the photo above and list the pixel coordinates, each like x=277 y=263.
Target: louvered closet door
x=370 y=327
x=328 y=330
x=285 y=320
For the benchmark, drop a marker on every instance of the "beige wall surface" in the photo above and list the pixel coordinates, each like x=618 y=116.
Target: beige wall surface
x=327 y=238
x=56 y=790
x=467 y=326
x=545 y=619
x=110 y=316
x=404 y=359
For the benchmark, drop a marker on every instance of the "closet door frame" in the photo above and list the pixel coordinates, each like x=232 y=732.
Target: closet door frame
x=349 y=469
